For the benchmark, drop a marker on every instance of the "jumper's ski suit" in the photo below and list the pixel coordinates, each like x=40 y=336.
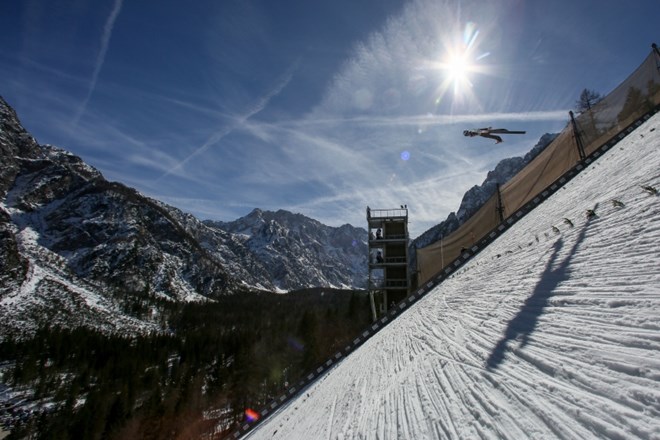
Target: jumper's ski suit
x=487 y=132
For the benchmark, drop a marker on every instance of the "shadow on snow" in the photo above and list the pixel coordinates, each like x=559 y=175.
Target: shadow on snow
x=524 y=323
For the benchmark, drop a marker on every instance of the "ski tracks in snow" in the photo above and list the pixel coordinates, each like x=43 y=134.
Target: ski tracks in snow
x=550 y=332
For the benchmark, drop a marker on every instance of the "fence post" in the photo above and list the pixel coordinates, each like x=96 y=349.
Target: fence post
x=578 y=138
x=500 y=205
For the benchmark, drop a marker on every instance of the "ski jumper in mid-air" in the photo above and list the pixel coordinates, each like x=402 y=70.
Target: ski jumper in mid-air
x=488 y=132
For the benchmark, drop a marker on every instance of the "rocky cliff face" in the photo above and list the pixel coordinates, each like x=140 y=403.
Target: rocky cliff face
x=476 y=196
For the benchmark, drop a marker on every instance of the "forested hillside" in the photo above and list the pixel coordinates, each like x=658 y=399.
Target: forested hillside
x=218 y=360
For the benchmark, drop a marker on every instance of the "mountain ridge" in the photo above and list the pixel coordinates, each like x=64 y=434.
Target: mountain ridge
x=287 y=244
x=475 y=197
x=75 y=246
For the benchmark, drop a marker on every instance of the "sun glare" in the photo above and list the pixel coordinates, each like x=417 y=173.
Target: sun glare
x=458 y=68
x=461 y=61
x=456 y=71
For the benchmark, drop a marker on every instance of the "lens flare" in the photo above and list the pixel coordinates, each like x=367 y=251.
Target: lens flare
x=470 y=34
x=391 y=98
x=363 y=99
x=418 y=84
x=251 y=415
x=405 y=155
x=295 y=343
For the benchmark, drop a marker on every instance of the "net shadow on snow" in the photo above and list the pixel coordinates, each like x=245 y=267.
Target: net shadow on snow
x=524 y=323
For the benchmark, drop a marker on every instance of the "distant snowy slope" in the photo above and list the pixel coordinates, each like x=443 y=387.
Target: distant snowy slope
x=551 y=332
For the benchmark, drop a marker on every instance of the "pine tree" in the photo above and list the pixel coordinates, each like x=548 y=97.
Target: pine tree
x=588 y=98
x=307 y=331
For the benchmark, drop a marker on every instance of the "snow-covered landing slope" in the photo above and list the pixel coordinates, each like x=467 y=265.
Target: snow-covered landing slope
x=551 y=332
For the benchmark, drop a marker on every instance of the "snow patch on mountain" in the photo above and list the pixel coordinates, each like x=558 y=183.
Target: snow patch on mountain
x=294 y=251
x=64 y=228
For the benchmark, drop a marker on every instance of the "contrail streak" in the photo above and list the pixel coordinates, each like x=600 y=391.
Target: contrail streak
x=105 y=42
x=241 y=120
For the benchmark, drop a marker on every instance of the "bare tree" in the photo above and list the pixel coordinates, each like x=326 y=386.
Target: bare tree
x=588 y=98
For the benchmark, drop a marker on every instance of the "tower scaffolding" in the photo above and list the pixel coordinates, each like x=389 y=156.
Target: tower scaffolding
x=389 y=278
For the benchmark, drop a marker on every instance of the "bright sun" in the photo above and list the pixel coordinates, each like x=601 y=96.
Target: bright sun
x=458 y=68
x=461 y=61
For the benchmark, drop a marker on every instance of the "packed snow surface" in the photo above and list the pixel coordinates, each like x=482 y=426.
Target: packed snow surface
x=553 y=331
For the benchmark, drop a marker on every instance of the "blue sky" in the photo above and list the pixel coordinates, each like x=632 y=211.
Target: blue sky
x=316 y=107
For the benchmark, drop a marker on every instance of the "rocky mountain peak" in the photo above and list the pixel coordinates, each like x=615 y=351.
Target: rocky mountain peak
x=294 y=250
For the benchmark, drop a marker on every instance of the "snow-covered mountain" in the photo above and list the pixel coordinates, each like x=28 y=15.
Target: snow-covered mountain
x=550 y=332
x=292 y=250
x=79 y=250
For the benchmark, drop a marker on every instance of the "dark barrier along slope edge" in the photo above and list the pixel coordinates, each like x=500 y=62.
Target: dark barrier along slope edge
x=422 y=291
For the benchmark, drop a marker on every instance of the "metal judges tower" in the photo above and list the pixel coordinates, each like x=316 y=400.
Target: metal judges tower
x=389 y=281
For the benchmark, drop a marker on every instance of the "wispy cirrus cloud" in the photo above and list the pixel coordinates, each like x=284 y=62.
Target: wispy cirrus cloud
x=388 y=100
x=240 y=120
x=426 y=119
